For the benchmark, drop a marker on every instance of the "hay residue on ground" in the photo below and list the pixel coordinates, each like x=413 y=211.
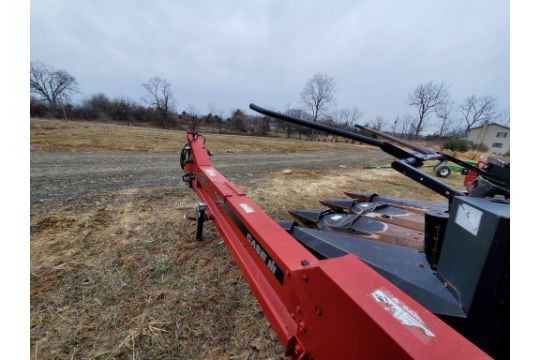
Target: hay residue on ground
x=57 y=135
x=127 y=280
x=119 y=275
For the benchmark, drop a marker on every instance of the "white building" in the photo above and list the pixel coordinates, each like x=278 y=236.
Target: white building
x=496 y=137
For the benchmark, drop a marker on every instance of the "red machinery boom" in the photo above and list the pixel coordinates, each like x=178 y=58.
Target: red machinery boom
x=322 y=309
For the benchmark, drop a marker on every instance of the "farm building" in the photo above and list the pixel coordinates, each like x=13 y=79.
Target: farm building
x=496 y=137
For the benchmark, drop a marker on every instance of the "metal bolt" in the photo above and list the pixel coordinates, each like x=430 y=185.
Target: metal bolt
x=305 y=277
x=304 y=262
x=302 y=326
x=318 y=311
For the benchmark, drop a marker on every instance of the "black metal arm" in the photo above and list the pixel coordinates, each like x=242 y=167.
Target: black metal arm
x=317 y=126
x=409 y=161
x=387 y=147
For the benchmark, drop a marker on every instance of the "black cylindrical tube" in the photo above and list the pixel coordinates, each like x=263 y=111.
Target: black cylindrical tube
x=201 y=208
x=316 y=126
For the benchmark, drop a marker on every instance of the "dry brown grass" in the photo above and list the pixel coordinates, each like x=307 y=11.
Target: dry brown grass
x=120 y=276
x=470 y=155
x=127 y=280
x=56 y=135
x=280 y=192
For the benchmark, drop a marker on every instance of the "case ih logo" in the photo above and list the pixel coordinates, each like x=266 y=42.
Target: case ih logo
x=262 y=254
x=400 y=312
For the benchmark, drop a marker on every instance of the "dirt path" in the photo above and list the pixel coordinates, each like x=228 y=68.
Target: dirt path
x=71 y=174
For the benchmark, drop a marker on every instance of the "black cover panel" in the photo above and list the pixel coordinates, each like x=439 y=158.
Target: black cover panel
x=404 y=267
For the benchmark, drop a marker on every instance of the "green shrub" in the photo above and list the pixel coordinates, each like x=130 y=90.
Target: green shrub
x=481 y=147
x=457 y=145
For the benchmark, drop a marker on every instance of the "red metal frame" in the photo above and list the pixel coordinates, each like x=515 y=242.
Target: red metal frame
x=325 y=309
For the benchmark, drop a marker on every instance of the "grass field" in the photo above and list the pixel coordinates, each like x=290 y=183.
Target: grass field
x=118 y=275
x=57 y=135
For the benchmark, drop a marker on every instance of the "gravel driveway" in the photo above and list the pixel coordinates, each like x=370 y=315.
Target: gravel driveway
x=71 y=174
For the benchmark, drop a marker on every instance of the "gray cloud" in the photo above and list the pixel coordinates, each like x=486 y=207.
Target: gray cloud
x=231 y=53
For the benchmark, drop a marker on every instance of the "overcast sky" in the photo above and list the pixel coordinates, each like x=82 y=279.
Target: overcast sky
x=231 y=53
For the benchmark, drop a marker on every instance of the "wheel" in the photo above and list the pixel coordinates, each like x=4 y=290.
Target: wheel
x=443 y=171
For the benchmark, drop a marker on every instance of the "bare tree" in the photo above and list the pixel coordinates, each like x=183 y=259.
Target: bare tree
x=426 y=98
x=477 y=110
x=404 y=126
x=348 y=117
x=194 y=119
x=220 y=118
x=37 y=107
x=290 y=128
x=395 y=124
x=377 y=124
x=238 y=120
x=212 y=108
x=210 y=119
x=160 y=96
x=444 y=112
x=318 y=93
x=122 y=109
x=503 y=118
x=53 y=86
x=192 y=110
x=98 y=106
x=456 y=130
x=264 y=125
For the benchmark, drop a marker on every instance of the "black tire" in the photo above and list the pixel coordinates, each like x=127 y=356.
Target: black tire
x=443 y=171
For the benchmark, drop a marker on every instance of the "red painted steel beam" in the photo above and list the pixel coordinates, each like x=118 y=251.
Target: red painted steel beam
x=320 y=309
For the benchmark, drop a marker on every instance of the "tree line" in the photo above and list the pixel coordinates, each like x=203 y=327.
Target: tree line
x=436 y=115
x=52 y=92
